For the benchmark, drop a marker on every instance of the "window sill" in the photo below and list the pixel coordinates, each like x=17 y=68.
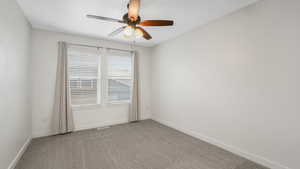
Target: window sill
x=85 y=105
x=118 y=102
x=101 y=105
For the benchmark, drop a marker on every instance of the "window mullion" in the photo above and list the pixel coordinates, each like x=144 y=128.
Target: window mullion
x=99 y=79
x=104 y=76
x=133 y=75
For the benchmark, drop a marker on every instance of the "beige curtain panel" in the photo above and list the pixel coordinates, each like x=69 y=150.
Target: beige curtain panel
x=63 y=116
x=134 y=104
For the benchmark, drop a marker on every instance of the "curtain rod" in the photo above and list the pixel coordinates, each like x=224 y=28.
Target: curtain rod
x=91 y=46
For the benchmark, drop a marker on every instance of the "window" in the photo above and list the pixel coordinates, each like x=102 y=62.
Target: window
x=99 y=76
x=119 y=68
x=84 y=75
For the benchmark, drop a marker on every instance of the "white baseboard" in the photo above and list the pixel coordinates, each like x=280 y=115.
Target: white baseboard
x=42 y=133
x=87 y=126
x=80 y=127
x=19 y=154
x=255 y=158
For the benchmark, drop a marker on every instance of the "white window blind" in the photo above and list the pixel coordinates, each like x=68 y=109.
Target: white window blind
x=119 y=75
x=84 y=75
x=99 y=76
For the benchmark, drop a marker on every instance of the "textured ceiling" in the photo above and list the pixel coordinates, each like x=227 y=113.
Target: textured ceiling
x=69 y=15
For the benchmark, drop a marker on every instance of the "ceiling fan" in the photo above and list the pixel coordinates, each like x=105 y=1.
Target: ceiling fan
x=133 y=21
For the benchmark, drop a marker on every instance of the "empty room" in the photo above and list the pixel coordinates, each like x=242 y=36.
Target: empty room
x=150 y=84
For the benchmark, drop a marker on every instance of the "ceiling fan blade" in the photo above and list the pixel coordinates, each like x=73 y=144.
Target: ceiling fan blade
x=146 y=35
x=104 y=18
x=119 y=30
x=157 y=23
x=133 y=10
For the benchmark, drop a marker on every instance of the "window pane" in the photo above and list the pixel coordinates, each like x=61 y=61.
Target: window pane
x=74 y=83
x=84 y=65
x=85 y=92
x=119 y=65
x=119 y=89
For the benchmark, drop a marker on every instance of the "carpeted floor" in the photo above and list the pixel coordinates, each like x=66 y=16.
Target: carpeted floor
x=143 y=145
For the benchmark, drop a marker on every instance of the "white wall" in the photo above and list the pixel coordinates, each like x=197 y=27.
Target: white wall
x=15 y=118
x=44 y=62
x=235 y=82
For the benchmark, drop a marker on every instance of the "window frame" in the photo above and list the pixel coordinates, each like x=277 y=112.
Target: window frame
x=103 y=79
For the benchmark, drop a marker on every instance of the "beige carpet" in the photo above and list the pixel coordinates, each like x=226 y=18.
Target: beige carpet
x=143 y=145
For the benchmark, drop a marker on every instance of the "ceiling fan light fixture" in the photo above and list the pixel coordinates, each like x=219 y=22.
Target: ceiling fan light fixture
x=138 y=33
x=128 y=37
x=129 y=31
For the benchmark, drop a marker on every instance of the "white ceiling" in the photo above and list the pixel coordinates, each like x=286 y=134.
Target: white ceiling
x=69 y=15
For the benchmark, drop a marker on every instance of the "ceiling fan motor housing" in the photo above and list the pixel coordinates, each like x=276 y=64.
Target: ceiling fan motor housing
x=130 y=22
